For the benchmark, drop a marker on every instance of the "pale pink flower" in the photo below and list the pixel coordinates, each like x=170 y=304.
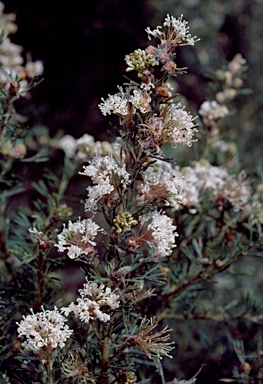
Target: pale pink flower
x=94 y=303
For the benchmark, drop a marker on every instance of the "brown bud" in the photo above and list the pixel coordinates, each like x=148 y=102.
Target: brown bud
x=245 y=367
x=132 y=243
x=206 y=261
x=13 y=88
x=163 y=91
x=165 y=272
x=170 y=66
x=16 y=345
x=237 y=83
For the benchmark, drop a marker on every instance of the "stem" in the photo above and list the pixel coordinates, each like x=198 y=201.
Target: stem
x=50 y=371
x=116 y=353
x=105 y=365
x=6 y=116
x=175 y=289
x=40 y=280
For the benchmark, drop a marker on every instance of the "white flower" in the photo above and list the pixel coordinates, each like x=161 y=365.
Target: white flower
x=162 y=184
x=68 y=144
x=116 y=104
x=101 y=171
x=10 y=54
x=177 y=32
x=236 y=191
x=87 y=147
x=174 y=125
x=34 y=69
x=77 y=238
x=140 y=100
x=211 y=112
x=203 y=176
x=7 y=20
x=44 y=330
x=157 y=230
x=11 y=61
x=84 y=147
x=163 y=233
x=93 y=297
x=237 y=65
x=126 y=102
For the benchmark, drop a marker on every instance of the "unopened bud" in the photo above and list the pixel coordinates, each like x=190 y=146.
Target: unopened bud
x=228 y=78
x=16 y=345
x=170 y=66
x=237 y=83
x=206 y=261
x=245 y=367
x=218 y=263
x=13 y=88
x=18 y=152
x=150 y=50
x=220 y=97
x=230 y=93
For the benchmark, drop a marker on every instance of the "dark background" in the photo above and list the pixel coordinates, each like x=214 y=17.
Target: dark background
x=82 y=45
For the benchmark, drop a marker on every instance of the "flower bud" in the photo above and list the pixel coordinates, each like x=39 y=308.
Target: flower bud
x=245 y=367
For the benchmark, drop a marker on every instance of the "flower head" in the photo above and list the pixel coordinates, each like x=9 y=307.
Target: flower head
x=44 y=331
x=211 y=112
x=77 y=238
x=126 y=102
x=152 y=344
x=173 y=125
x=158 y=232
x=177 y=32
x=93 y=298
x=202 y=176
x=87 y=147
x=140 y=61
x=161 y=185
x=104 y=172
x=72 y=366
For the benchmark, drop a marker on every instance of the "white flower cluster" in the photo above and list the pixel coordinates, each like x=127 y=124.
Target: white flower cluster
x=203 y=176
x=157 y=230
x=173 y=125
x=125 y=102
x=162 y=232
x=11 y=60
x=211 y=112
x=7 y=20
x=236 y=191
x=77 y=238
x=161 y=184
x=84 y=147
x=44 y=330
x=177 y=32
x=103 y=171
x=93 y=297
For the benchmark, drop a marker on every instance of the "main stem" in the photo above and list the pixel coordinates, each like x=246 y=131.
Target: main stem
x=40 y=281
x=50 y=371
x=105 y=351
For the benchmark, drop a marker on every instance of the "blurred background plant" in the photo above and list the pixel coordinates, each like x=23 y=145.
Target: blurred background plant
x=216 y=320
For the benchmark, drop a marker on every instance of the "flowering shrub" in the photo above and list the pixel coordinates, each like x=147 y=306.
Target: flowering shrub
x=154 y=236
